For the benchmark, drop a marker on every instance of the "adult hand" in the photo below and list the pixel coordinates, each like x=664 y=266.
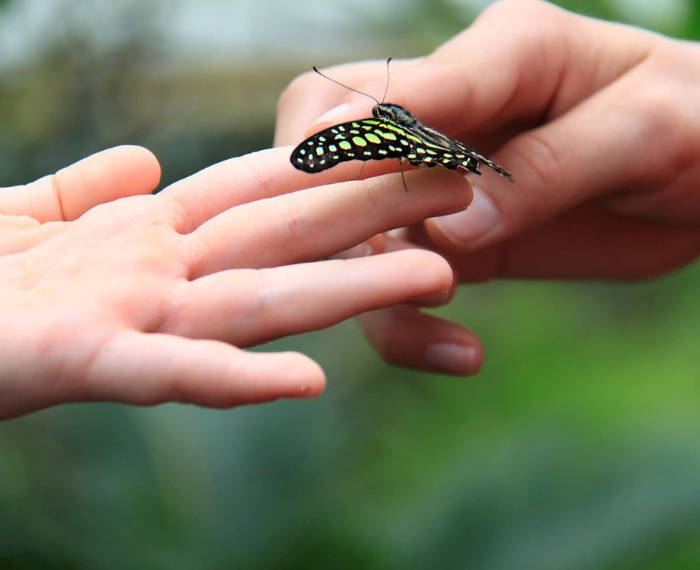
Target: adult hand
x=599 y=125
x=110 y=293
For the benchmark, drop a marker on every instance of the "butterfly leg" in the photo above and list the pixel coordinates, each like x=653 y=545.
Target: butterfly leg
x=361 y=170
x=402 y=177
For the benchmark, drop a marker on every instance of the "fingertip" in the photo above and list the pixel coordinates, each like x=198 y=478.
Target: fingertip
x=331 y=117
x=352 y=108
x=439 y=299
x=142 y=160
x=136 y=164
x=406 y=337
x=458 y=357
x=304 y=376
x=259 y=377
x=105 y=176
x=435 y=270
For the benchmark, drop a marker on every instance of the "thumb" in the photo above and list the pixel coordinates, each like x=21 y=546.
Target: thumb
x=102 y=177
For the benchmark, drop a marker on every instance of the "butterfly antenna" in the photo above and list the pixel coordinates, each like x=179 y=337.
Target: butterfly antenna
x=386 y=88
x=345 y=86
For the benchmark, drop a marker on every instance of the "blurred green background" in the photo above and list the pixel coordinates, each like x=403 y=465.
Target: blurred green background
x=577 y=447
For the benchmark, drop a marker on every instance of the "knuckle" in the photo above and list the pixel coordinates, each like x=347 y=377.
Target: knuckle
x=56 y=194
x=668 y=125
x=265 y=181
x=260 y=295
x=291 y=219
x=373 y=190
x=540 y=155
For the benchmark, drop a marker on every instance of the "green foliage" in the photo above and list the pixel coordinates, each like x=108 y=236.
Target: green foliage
x=692 y=29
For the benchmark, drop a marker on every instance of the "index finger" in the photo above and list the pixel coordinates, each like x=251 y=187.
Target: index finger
x=263 y=174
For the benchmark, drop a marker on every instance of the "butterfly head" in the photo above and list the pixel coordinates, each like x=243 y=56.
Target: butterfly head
x=393 y=113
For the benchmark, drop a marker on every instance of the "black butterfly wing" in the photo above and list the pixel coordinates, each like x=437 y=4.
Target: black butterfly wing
x=437 y=148
x=377 y=139
x=364 y=139
x=473 y=157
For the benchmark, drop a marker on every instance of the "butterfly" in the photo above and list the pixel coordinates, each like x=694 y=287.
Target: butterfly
x=391 y=132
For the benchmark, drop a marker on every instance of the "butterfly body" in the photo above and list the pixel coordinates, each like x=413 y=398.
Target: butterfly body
x=391 y=132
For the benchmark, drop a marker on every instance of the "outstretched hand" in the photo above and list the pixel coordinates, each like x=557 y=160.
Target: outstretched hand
x=110 y=293
x=597 y=122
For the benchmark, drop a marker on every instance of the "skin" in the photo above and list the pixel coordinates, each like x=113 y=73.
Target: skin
x=599 y=125
x=110 y=293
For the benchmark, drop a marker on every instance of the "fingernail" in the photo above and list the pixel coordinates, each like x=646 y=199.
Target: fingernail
x=361 y=250
x=464 y=228
x=454 y=358
x=435 y=300
x=330 y=115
